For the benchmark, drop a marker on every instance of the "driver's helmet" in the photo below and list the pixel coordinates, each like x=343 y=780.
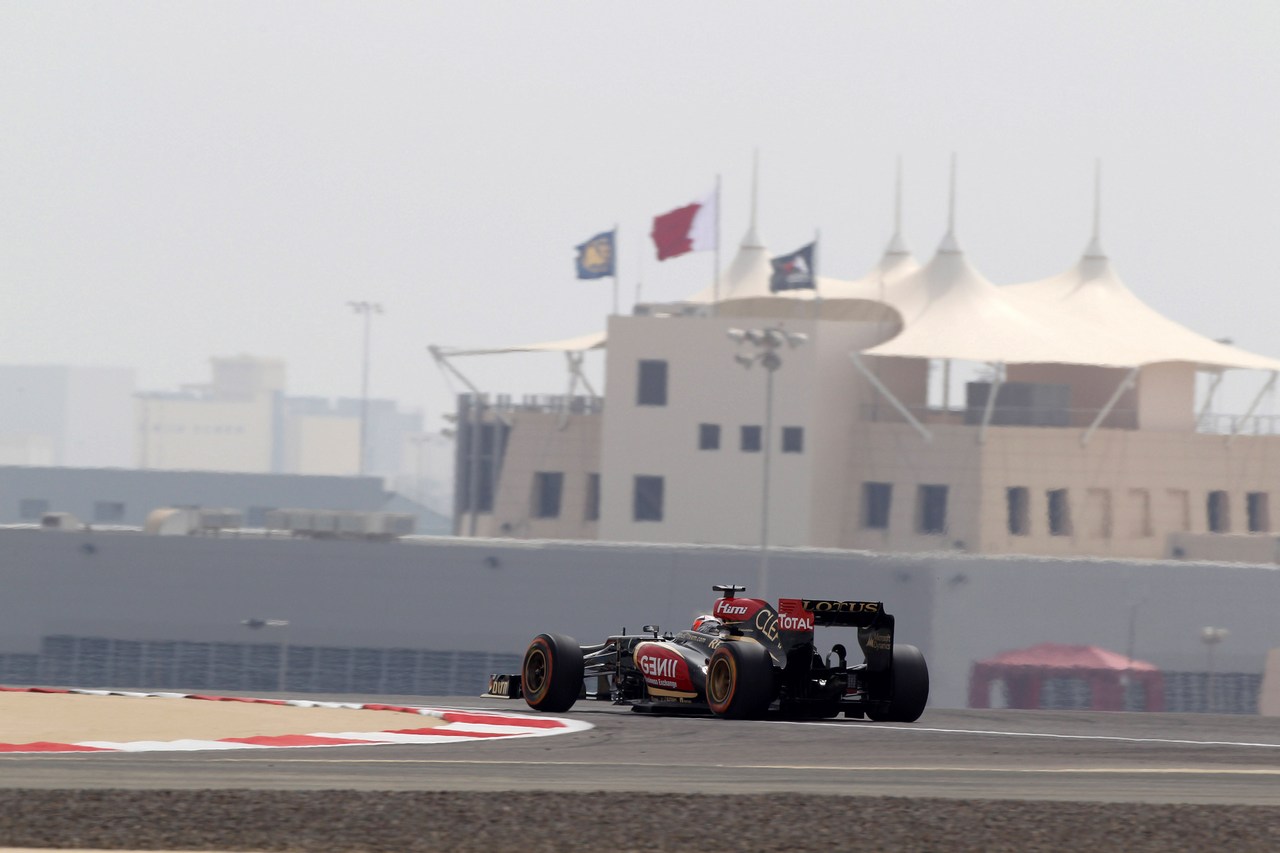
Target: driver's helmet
x=707 y=624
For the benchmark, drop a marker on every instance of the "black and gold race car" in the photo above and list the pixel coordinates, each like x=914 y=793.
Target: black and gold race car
x=744 y=659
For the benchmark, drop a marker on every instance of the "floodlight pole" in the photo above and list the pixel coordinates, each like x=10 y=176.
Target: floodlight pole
x=770 y=362
x=1211 y=636
x=367 y=310
x=766 y=343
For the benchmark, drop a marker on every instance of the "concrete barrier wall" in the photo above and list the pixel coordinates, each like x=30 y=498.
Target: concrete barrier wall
x=493 y=595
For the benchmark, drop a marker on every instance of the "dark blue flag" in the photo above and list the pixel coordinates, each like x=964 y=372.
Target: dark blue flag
x=794 y=271
x=596 y=257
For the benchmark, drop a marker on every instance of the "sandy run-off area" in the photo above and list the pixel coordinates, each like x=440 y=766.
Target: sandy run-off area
x=76 y=718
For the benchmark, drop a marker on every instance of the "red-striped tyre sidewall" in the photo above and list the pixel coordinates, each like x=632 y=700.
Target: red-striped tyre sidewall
x=557 y=659
x=723 y=666
x=539 y=647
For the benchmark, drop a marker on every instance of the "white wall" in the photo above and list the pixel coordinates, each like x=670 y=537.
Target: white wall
x=495 y=595
x=322 y=444
x=711 y=496
x=63 y=415
x=206 y=435
x=100 y=418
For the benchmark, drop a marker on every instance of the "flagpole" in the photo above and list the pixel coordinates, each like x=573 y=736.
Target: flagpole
x=639 y=270
x=715 y=273
x=817 y=291
x=614 y=246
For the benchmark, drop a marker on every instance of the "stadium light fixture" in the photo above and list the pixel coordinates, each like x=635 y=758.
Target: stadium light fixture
x=366 y=310
x=765 y=344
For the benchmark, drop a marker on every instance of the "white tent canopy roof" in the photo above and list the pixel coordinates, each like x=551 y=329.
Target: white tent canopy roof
x=950 y=310
x=892 y=268
x=1090 y=296
x=582 y=343
x=1085 y=316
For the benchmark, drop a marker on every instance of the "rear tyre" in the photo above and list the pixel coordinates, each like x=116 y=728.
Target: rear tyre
x=739 y=681
x=551 y=677
x=908 y=688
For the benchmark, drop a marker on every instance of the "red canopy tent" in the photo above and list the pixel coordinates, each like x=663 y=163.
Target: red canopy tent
x=1026 y=671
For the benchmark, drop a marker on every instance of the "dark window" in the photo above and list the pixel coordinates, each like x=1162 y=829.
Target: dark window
x=751 y=439
x=647 y=498
x=933 y=509
x=652 y=387
x=547 y=486
x=876 y=499
x=108 y=511
x=708 y=436
x=32 y=508
x=256 y=516
x=793 y=439
x=593 y=498
x=1019 y=498
x=1059 y=513
x=1258 y=506
x=481 y=448
x=1218 y=507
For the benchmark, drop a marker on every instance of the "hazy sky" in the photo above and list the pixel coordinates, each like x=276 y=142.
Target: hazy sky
x=185 y=180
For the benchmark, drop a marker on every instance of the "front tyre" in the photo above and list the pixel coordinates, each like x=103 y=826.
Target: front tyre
x=739 y=681
x=551 y=677
x=908 y=688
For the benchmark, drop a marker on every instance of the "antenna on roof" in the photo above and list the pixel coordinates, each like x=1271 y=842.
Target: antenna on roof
x=1094 y=249
x=751 y=239
x=949 y=243
x=896 y=245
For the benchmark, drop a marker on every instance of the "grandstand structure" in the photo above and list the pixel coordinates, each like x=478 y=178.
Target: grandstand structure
x=920 y=407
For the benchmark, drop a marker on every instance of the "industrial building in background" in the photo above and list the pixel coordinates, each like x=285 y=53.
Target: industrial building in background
x=82 y=444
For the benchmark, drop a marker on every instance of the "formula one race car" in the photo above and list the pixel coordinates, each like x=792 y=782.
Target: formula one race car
x=741 y=661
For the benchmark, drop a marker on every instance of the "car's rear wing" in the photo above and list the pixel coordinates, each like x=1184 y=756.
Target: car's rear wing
x=875 y=627
x=852 y=614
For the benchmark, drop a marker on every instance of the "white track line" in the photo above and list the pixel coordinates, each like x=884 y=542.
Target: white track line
x=1046 y=735
x=850 y=768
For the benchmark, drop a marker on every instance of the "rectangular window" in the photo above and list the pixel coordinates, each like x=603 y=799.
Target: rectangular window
x=1059 y=513
x=1218 y=509
x=647 y=498
x=592 y=512
x=1139 y=513
x=1179 y=512
x=651 y=389
x=547 y=487
x=480 y=453
x=1258 y=506
x=31 y=509
x=108 y=512
x=708 y=436
x=1019 y=501
x=793 y=439
x=750 y=439
x=931 y=510
x=876 y=500
x=1097 y=511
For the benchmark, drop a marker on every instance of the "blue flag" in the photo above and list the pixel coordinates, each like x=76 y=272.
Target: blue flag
x=794 y=271
x=596 y=257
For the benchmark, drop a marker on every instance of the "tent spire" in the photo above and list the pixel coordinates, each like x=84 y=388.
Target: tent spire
x=1094 y=249
x=949 y=243
x=896 y=245
x=751 y=240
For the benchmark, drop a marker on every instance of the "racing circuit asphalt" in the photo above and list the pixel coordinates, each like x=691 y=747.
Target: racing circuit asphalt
x=1013 y=755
